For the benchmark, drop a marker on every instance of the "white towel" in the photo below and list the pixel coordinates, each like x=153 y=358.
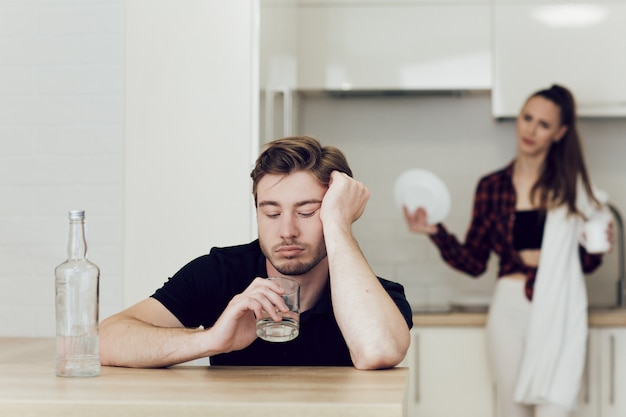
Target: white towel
x=556 y=342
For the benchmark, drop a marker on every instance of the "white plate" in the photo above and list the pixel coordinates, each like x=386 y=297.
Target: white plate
x=419 y=188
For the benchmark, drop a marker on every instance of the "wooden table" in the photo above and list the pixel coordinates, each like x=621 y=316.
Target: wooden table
x=29 y=387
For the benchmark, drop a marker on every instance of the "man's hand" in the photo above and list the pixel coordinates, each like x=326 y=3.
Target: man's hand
x=344 y=201
x=236 y=327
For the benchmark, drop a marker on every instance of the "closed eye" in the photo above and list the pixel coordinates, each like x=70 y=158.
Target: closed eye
x=307 y=214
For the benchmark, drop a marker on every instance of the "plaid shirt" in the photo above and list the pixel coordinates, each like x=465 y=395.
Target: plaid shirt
x=491 y=228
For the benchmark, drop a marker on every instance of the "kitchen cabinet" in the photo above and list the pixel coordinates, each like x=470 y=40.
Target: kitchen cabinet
x=408 y=45
x=278 y=63
x=612 y=372
x=603 y=392
x=575 y=43
x=589 y=396
x=450 y=362
x=449 y=375
x=278 y=30
x=365 y=45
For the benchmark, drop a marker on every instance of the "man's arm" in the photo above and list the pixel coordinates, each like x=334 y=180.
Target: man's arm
x=148 y=335
x=371 y=323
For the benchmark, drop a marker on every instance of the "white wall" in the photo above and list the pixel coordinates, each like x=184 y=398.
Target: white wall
x=191 y=123
x=61 y=147
x=142 y=112
x=456 y=138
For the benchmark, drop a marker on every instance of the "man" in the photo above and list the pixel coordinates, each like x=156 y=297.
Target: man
x=306 y=201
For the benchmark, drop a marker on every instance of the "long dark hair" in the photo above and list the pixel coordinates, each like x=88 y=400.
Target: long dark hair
x=565 y=163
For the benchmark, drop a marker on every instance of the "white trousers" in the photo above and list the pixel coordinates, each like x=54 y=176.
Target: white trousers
x=509 y=314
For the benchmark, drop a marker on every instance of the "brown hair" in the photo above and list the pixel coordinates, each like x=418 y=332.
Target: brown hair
x=298 y=153
x=564 y=163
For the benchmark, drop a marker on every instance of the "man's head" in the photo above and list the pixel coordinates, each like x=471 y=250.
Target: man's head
x=298 y=153
x=290 y=180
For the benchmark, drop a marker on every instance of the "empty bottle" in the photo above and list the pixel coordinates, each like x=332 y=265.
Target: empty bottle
x=77 y=292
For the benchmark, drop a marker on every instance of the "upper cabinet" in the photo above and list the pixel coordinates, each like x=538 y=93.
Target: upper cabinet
x=578 y=44
x=278 y=50
x=513 y=47
x=378 y=45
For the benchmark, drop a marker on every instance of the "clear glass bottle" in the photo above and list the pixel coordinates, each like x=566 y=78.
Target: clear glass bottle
x=77 y=292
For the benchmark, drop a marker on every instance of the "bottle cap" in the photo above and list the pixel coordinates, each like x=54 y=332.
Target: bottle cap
x=77 y=214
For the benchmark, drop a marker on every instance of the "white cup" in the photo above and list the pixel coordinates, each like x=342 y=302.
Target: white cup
x=596 y=239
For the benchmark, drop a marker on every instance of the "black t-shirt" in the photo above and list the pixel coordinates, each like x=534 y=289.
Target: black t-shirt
x=198 y=294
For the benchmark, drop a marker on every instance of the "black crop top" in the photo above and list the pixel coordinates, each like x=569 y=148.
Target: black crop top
x=528 y=229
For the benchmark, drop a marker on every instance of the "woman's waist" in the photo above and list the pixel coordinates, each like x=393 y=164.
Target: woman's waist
x=518 y=276
x=519 y=265
x=522 y=272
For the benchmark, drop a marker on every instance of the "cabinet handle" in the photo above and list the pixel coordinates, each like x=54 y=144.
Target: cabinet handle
x=269 y=114
x=416 y=340
x=612 y=369
x=587 y=374
x=287 y=111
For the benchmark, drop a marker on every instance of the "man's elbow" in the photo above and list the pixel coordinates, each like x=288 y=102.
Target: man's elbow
x=382 y=357
x=378 y=361
x=109 y=350
x=105 y=348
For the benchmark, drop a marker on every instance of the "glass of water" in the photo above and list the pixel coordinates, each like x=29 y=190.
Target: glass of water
x=289 y=327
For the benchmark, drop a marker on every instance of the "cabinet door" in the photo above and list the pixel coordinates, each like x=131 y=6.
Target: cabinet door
x=588 y=404
x=613 y=372
x=278 y=64
x=395 y=46
x=449 y=375
x=535 y=46
x=278 y=28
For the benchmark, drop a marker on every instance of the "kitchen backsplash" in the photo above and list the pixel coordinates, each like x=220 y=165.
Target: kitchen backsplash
x=455 y=137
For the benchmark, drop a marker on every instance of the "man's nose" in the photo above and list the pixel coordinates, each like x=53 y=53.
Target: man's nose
x=288 y=226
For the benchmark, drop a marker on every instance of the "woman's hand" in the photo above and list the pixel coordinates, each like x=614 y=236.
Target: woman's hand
x=417 y=221
x=610 y=233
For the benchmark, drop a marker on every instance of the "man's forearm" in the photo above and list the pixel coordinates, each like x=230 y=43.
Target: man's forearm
x=375 y=330
x=126 y=341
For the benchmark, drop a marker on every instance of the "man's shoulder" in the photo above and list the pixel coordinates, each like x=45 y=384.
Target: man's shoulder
x=245 y=257
x=228 y=258
x=247 y=249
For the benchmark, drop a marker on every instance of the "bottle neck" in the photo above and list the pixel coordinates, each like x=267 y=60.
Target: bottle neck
x=77 y=245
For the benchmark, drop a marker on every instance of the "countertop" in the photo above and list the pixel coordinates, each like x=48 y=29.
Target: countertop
x=597 y=318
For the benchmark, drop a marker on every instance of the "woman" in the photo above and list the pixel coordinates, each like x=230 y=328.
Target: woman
x=532 y=209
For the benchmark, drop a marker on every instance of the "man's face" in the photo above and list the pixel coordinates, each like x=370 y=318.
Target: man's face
x=288 y=216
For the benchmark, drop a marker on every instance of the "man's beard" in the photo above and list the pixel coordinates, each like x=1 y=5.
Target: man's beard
x=292 y=267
